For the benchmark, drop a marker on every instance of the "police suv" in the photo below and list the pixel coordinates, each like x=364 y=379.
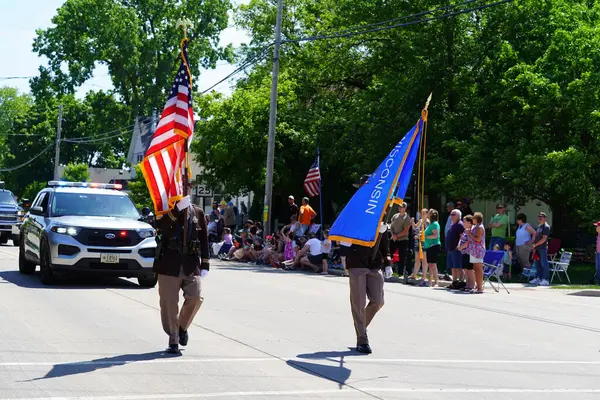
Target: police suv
x=86 y=228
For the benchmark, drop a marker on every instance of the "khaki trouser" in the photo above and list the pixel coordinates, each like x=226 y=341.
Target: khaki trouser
x=523 y=254
x=168 y=290
x=365 y=282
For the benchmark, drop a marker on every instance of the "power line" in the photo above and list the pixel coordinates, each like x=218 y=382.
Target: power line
x=405 y=24
x=104 y=134
x=27 y=162
x=241 y=68
x=402 y=18
x=22 y=134
x=5 y=78
x=98 y=139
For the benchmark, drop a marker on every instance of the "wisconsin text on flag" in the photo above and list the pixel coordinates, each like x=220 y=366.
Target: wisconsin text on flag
x=313 y=179
x=166 y=157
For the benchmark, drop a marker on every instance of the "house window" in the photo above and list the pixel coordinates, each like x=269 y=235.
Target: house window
x=140 y=158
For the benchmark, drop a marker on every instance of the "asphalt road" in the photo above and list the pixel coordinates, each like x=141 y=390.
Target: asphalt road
x=263 y=333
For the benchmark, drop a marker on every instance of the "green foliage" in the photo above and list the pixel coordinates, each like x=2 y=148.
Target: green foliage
x=89 y=130
x=13 y=108
x=137 y=40
x=138 y=191
x=76 y=173
x=31 y=190
x=514 y=113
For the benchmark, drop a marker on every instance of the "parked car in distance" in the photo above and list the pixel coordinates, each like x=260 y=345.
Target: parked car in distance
x=11 y=216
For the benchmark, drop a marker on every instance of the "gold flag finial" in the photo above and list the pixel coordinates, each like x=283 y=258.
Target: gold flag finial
x=428 y=100
x=184 y=22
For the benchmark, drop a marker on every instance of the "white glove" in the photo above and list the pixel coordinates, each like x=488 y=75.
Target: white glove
x=203 y=273
x=184 y=203
x=388 y=272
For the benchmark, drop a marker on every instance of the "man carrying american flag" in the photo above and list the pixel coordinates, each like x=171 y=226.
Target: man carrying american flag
x=182 y=251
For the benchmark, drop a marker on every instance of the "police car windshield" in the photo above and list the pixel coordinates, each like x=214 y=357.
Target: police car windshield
x=93 y=205
x=6 y=198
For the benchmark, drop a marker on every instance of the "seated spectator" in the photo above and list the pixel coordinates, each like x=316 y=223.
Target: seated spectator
x=253 y=232
x=299 y=251
x=289 y=241
x=259 y=229
x=224 y=245
x=244 y=253
x=294 y=226
x=313 y=258
x=325 y=250
x=258 y=251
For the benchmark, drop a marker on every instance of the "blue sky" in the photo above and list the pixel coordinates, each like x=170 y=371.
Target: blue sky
x=20 y=19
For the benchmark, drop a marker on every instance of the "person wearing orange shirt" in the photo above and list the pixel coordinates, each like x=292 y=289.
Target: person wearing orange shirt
x=307 y=215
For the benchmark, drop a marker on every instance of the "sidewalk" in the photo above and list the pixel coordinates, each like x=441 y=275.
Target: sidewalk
x=579 y=290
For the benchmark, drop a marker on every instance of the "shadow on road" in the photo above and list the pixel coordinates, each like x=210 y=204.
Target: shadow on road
x=331 y=367
x=68 y=282
x=586 y=293
x=76 y=368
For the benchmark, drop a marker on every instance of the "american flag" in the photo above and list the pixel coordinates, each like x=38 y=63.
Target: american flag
x=313 y=179
x=166 y=158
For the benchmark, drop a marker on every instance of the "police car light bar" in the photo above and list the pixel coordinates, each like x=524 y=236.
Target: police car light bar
x=93 y=185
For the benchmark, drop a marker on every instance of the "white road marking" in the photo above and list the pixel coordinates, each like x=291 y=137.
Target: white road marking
x=168 y=396
x=336 y=359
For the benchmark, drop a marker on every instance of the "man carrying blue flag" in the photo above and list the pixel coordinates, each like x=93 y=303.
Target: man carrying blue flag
x=361 y=223
x=366 y=281
x=365 y=266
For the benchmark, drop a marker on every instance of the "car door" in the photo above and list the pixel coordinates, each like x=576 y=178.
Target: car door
x=36 y=224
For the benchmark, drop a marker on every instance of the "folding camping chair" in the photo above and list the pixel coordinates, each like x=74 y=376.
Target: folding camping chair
x=562 y=265
x=529 y=273
x=493 y=268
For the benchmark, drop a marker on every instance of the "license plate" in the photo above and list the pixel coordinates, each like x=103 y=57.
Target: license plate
x=109 y=258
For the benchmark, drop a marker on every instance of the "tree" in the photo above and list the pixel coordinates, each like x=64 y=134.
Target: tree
x=13 y=108
x=537 y=124
x=32 y=190
x=137 y=40
x=139 y=190
x=76 y=173
x=514 y=113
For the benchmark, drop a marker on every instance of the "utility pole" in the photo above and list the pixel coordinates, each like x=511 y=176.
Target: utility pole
x=272 y=121
x=57 y=147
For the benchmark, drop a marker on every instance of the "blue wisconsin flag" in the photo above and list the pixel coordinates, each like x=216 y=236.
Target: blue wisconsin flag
x=359 y=221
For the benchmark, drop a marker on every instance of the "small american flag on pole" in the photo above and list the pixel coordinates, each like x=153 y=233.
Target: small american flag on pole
x=166 y=159
x=313 y=179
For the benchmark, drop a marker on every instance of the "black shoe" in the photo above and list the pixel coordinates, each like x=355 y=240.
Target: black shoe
x=173 y=349
x=183 y=337
x=364 y=348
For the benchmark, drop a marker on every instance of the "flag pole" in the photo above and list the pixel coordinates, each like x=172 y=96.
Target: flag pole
x=185 y=178
x=183 y=23
x=320 y=191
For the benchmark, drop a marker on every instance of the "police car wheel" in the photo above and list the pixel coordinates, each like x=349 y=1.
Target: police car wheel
x=46 y=275
x=148 y=281
x=25 y=267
